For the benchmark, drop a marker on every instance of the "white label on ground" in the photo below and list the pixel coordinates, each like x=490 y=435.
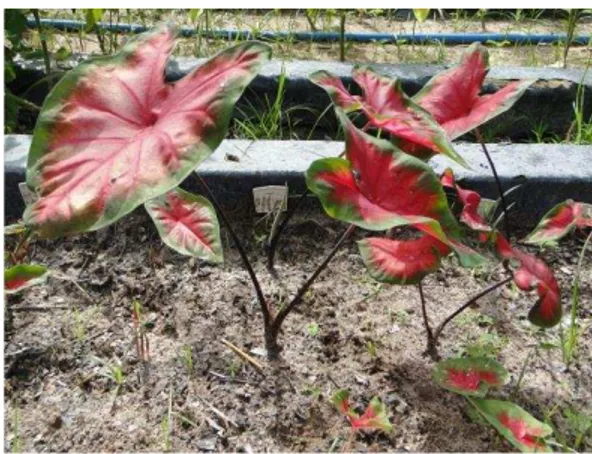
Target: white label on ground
x=270 y=199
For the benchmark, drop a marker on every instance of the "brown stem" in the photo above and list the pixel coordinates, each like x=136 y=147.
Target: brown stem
x=273 y=241
x=241 y=251
x=431 y=348
x=469 y=303
x=283 y=313
x=426 y=322
x=497 y=182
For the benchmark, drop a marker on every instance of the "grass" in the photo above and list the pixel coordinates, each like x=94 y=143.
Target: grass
x=16 y=429
x=570 y=340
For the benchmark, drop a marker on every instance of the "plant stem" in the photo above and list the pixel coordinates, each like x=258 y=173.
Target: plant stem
x=283 y=313
x=273 y=241
x=43 y=41
x=497 y=182
x=241 y=251
x=431 y=341
x=470 y=302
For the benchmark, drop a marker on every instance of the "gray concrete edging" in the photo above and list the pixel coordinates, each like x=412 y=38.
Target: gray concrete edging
x=550 y=173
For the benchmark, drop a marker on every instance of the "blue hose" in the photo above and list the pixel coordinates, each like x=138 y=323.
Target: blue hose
x=391 y=38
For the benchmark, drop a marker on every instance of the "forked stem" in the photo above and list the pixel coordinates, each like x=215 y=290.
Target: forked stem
x=262 y=303
x=498 y=183
x=271 y=338
x=468 y=304
x=433 y=336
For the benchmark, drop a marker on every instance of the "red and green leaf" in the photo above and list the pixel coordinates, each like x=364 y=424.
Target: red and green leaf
x=402 y=261
x=378 y=187
x=473 y=206
x=532 y=273
x=188 y=224
x=21 y=276
x=560 y=221
x=389 y=109
x=516 y=425
x=340 y=96
x=452 y=96
x=112 y=134
x=470 y=376
x=375 y=416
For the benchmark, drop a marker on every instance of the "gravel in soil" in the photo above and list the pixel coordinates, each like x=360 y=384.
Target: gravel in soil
x=60 y=365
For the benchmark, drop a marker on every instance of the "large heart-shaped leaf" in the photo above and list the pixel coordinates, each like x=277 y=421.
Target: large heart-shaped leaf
x=473 y=205
x=187 y=223
x=470 y=376
x=452 y=96
x=21 y=276
x=388 y=108
x=534 y=273
x=112 y=134
x=375 y=416
x=402 y=261
x=560 y=221
x=516 y=425
x=378 y=187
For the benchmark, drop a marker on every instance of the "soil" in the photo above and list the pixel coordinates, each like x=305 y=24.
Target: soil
x=370 y=340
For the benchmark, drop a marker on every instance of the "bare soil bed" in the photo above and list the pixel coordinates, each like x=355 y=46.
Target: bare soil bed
x=369 y=339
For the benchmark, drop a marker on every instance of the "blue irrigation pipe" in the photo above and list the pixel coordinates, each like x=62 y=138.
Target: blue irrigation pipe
x=418 y=38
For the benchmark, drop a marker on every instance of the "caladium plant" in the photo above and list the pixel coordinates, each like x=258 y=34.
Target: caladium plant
x=451 y=100
x=470 y=376
x=559 y=221
x=378 y=186
x=19 y=277
x=473 y=377
x=113 y=134
x=373 y=418
x=515 y=424
x=453 y=96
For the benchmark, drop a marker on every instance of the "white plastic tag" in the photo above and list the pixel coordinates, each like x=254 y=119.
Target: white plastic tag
x=28 y=196
x=269 y=199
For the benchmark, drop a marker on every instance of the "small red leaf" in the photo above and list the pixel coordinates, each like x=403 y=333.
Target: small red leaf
x=534 y=272
x=470 y=376
x=402 y=261
x=471 y=201
x=112 y=134
x=452 y=96
x=560 y=221
x=188 y=224
x=22 y=276
x=374 y=417
x=515 y=424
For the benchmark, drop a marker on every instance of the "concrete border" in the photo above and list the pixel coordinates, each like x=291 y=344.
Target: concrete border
x=548 y=102
x=550 y=173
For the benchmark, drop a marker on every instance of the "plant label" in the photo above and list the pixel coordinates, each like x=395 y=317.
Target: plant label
x=270 y=199
x=28 y=196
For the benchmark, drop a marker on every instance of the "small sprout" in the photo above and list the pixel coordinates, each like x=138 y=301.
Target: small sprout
x=313 y=329
x=140 y=336
x=187 y=358
x=79 y=328
x=374 y=418
x=371 y=348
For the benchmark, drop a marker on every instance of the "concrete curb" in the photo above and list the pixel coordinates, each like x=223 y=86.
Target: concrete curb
x=548 y=103
x=550 y=173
